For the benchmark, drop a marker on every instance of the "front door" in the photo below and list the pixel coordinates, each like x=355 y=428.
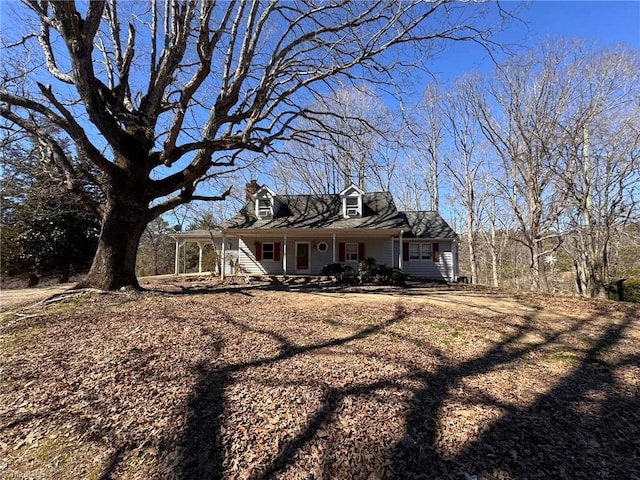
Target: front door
x=302 y=257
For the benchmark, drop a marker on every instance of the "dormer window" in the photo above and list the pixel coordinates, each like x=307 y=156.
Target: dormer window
x=353 y=207
x=265 y=209
x=352 y=202
x=266 y=203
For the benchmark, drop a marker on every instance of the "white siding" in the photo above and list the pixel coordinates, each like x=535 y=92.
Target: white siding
x=318 y=259
x=247 y=258
x=428 y=269
x=231 y=255
x=378 y=248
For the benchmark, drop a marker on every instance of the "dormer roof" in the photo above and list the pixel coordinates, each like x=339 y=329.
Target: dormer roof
x=263 y=192
x=351 y=190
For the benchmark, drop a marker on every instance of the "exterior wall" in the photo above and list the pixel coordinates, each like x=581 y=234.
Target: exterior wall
x=428 y=269
x=247 y=262
x=231 y=255
x=378 y=248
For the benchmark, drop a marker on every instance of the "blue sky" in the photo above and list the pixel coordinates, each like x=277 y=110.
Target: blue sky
x=605 y=23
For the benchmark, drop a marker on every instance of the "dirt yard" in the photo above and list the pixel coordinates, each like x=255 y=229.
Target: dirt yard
x=195 y=380
x=13 y=299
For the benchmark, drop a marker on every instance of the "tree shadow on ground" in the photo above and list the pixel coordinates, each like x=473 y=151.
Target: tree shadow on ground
x=583 y=427
x=200 y=454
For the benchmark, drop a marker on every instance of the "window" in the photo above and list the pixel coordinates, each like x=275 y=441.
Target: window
x=420 y=251
x=268 y=251
x=352 y=206
x=323 y=247
x=351 y=252
x=264 y=207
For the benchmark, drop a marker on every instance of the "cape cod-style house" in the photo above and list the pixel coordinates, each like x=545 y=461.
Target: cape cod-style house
x=299 y=234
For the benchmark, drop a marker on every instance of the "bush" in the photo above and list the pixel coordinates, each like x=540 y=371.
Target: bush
x=344 y=274
x=381 y=274
x=332 y=269
x=369 y=273
x=347 y=276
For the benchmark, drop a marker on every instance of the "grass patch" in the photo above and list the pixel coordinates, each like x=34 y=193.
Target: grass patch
x=436 y=325
x=332 y=323
x=564 y=357
x=19 y=341
x=369 y=320
x=8 y=318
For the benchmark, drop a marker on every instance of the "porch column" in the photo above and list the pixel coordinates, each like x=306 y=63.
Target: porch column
x=200 y=247
x=334 y=249
x=284 y=255
x=400 y=259
x=177 y=259
x=223 y=263
x=392 y=256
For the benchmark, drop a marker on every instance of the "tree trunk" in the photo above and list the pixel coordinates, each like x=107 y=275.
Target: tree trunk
x=473 y=261
x=114 y=264
x=534 y=268
x=494 y=256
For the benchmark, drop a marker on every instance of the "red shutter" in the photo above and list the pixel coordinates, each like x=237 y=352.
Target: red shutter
x=360 y=252
x=276 y=251
x=405 y=251
x=341 y=252
x=436 y=252
x=258 y=251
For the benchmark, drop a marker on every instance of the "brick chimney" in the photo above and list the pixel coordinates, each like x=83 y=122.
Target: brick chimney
x=251 y=188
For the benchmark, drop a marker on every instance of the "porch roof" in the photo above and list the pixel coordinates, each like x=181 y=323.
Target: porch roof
x=196 y=235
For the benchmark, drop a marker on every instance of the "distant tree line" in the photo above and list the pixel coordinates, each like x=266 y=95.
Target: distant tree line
x=540 y=162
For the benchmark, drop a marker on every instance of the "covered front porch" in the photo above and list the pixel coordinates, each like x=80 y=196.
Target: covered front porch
x=225 y=254
x=296 y=252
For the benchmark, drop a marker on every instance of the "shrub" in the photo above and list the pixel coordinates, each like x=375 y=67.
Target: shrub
x=344 y=274
x=381 y=274
x=347 y=276
x=332 y=269
x=369 y=273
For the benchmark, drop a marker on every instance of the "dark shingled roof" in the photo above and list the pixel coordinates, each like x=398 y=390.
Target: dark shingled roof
x=379 y=212
x=428 y=224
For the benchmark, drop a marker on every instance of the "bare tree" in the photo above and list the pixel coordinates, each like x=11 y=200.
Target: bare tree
x=496 y=243
x=345 y=138
x=520 y=112
x=463 y=166
x=155 y=255
x=159 y=98
x=425 y=129
x=602 y=160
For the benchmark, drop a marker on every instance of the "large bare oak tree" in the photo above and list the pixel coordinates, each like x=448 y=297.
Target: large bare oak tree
x=158 y=97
